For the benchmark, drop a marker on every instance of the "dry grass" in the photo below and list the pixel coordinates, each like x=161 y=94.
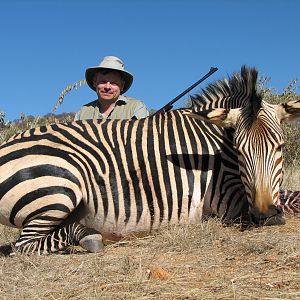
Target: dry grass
x=205 y=261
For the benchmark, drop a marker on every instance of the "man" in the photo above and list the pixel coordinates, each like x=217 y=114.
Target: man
x=110 y=81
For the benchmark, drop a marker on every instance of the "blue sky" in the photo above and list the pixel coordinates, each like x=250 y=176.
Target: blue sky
x=167 y=45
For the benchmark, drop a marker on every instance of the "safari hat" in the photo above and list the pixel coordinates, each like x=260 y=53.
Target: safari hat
x=109 y=63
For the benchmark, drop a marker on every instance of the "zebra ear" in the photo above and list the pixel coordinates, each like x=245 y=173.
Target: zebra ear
x=220 y=116
x=288 y=111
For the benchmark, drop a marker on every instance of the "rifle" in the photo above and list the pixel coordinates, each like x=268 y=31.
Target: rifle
x=169 y=105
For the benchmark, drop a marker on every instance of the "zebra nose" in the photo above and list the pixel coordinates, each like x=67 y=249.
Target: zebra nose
x=263 y=199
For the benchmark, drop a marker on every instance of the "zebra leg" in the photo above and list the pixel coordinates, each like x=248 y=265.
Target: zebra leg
x=70 y=235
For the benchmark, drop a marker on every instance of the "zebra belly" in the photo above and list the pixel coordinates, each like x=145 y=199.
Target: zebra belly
x=114 y=229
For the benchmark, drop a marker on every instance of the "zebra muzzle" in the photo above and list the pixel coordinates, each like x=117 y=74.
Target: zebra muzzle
x=273 y=216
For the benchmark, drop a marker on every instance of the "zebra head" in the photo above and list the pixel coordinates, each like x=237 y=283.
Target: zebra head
x=257 y=138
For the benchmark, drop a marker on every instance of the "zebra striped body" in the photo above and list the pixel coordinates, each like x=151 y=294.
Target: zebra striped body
x=131 y=177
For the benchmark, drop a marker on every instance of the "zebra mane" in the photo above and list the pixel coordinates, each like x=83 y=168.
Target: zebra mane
x=239 y=90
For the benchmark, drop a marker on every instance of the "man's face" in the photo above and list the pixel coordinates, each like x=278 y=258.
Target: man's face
x=108 y=86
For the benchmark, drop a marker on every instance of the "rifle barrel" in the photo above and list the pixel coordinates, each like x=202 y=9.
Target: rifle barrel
x=169 y=106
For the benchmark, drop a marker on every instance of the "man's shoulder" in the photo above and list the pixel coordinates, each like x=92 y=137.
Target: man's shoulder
x=87 y=111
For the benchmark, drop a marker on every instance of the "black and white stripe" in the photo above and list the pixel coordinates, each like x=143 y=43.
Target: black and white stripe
x=289 y=201
x=79 y=182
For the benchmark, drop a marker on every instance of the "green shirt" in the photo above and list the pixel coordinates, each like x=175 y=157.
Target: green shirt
x=125 y=108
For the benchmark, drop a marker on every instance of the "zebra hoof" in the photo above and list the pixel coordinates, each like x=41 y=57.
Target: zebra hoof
x=92 y=243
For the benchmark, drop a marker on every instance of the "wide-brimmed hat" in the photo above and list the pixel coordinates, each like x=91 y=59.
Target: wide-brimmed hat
x=109 y=63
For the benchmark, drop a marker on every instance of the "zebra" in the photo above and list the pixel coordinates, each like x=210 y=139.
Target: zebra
x=289 y=201
x=91 y=182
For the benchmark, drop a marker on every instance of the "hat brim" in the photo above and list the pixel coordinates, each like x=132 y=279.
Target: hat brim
x=90 y=73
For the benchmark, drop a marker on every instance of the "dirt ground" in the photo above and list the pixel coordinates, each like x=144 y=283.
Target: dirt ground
x=205 y=261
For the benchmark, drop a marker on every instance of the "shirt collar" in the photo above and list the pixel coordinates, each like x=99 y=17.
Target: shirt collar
x=122 y=99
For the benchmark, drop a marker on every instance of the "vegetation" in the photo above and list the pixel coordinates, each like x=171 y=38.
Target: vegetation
x=10 y=128
x=203 y=261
